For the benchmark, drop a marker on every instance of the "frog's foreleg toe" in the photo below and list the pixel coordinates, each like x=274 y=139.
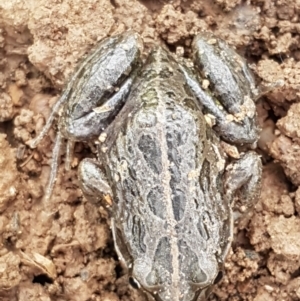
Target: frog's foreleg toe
x=93 y=182
x=242 y=182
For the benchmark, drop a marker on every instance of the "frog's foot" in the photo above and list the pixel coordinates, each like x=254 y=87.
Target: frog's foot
x=93 y=183
x=243 y=182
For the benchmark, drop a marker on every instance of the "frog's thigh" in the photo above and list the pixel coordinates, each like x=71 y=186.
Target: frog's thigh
x=244 y=131
x=243 y=182
x=93 y=182
x=93 y=123
x=226 y=71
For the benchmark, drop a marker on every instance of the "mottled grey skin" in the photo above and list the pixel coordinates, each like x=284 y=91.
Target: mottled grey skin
x=162 y=172
x=164 y=169
x=164 y=211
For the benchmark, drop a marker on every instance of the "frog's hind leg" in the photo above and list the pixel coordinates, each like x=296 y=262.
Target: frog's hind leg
x=53 y=168
x=243 y=182
x=58 y=141
x=241 y=131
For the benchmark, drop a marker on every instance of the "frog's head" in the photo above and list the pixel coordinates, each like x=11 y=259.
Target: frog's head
x=163 y=283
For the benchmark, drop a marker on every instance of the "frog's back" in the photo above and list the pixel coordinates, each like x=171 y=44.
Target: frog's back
x=169 y=211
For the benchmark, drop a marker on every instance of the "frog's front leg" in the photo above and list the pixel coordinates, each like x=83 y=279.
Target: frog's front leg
x=242 y=182
x=96 y=189
x=93 y=183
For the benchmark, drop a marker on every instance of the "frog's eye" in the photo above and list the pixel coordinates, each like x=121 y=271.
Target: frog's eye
x=134 y=283
x=219 y=277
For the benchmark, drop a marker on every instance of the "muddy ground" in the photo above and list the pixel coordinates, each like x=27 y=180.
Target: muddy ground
x=62 y=250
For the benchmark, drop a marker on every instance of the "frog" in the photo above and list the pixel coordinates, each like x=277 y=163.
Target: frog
x=163 y=128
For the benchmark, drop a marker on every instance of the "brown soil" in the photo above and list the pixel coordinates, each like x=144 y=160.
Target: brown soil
x=63 y=250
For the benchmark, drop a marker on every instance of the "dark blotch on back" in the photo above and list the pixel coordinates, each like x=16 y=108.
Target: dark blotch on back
x=174 y=156
x=138 y=233
x=151 y=152
x=178 y=203
x=163 y=255
x=156 y=202
x=176 y=138
x=202 y=228
x=205 y=176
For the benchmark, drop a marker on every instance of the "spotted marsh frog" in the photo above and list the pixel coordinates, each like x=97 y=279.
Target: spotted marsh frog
x=162 y=172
